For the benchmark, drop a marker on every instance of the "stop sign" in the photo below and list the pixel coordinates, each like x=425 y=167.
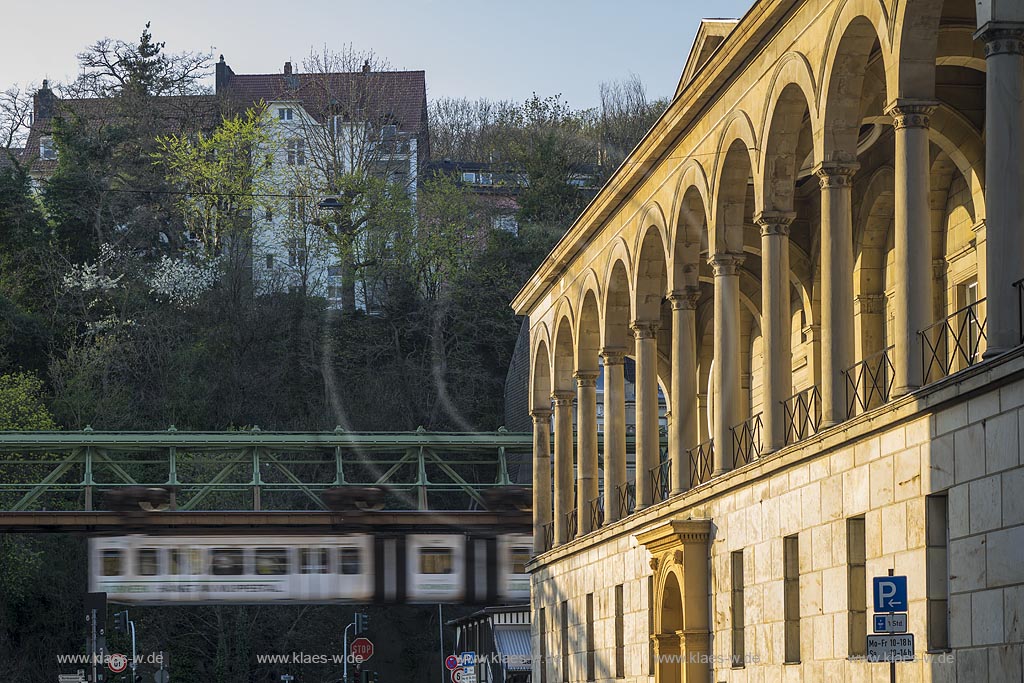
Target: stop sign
x=362 y=649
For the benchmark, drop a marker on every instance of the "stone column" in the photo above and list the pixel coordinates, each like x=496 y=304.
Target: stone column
x=682 y=429
x=563 y=463
x=1004 y=180
x=586 y=447
x=726 y=380
x=776 y=322
x=913 y=239
x=647 y=438
x=836 y=288
x=614 y=431
x=541 y=476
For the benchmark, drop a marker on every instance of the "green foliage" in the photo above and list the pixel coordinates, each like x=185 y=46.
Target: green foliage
x=21 y=403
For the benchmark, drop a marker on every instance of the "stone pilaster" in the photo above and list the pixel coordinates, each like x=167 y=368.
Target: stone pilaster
x=836 y=287
x=775 y=323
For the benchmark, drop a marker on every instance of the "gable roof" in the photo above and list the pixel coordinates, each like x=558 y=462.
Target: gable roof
x=399 y=96
x=711 y=34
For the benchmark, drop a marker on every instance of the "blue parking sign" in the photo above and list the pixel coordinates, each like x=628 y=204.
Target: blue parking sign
x=890 y=593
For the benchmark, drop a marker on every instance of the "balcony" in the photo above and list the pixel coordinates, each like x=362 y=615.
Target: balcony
x=869 y=382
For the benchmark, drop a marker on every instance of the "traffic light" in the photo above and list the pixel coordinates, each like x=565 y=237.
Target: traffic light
x=368 y=677
x=362 y=622
x=121 y=621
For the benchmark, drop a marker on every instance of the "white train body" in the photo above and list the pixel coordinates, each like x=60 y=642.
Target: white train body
x=355 y=568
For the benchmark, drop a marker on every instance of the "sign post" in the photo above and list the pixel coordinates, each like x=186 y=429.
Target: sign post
x=890 y=641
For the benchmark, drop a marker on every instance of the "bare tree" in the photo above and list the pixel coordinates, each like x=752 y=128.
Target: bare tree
x=625 y=116
x=15 y=117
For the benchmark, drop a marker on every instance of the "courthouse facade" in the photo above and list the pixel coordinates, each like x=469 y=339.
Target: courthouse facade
x=816 y=256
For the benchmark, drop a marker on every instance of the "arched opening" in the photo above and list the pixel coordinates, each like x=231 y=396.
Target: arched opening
x=670 y=624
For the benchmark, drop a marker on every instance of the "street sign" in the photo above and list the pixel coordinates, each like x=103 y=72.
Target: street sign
x=361 y=650
x=117 y=663
x=890 y=593
x=452 y=662
x=71 y=678
x=287 y=678
x=467 y=658
x=891 y=623
x=464 y=674
x=891 y=647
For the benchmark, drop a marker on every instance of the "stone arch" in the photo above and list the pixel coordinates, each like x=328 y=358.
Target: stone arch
x=616 y=306
x=915 y=48
x=688 y=234
x=951 y=132
x=957 y=47
x=872 y=238
x=563 y=356
x=588 y=329
x=540 y=375
x=855 y=27
x=736 y=162
x=650 y=272
x=792 y=98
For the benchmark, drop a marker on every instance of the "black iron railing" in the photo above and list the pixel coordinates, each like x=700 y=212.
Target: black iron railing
x=597 y=513
x=803 y=414
x=701 y=457
x=627 y=499
x=747 y=441
x=1019 y=284
x=953 y=343
x=572 y=524
x=661 y=480
x=869 y=382
x=549 y=536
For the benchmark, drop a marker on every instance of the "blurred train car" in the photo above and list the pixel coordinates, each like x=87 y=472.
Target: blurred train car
x=355 y=568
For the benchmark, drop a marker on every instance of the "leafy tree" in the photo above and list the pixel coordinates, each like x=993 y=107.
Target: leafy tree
x=21 y=403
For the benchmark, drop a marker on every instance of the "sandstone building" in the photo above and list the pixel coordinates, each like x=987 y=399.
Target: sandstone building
x=816 y=257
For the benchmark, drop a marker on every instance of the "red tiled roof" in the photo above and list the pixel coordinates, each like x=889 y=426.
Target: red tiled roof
x=400 y=96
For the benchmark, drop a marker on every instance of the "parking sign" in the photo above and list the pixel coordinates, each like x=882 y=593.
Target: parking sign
x=890 y=593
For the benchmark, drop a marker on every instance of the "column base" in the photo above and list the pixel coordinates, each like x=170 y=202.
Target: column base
x=991 y=352
x=903 y=391
x=718 y=473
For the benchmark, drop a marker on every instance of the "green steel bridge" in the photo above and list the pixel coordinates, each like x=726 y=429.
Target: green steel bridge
x=266 y=481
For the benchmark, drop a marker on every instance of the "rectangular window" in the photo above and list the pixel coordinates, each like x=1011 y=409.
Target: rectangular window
x=285 y=114
x=111 y=562
x=738 y=646
x=227 y=561
x=937 y=570
x=270 y=261
x=435 y=561
x=791 y=578
x=148 y=562
x=590 y=637
x=620 y=635
x=184 y=561
x=565 y=641
x=348 y=561
x=542 y=630
x=856 y=558
x=297 y=152
x=334 y=271
x=518 y=557
x=313 y=560
x=271 y=561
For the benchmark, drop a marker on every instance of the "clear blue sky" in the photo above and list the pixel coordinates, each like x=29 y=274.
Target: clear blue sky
x=478 y=48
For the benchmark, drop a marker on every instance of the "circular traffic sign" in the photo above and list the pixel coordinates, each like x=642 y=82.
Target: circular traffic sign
x=117 y=663
x=452 y=662
x=457 y=674
x=361 y=650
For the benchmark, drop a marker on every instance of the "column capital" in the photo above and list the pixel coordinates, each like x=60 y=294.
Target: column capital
x=832 y=174
x=869 y=303
x=685 y=299
x=563 y=399
x=939 y=268
x=644 y=330
x=540 y=415
x=1002 y=38
x=774 y=222
x=725 y=263
x=613 y=356
x=586 y=378
x=911 y=113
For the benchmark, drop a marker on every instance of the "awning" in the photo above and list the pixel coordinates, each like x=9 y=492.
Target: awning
x=513 y=644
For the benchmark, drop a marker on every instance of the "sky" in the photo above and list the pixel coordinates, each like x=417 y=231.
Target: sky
x=483 y=48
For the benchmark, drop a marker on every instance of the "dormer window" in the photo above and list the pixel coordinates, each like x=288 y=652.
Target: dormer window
x=285 y=113
x=47 y=150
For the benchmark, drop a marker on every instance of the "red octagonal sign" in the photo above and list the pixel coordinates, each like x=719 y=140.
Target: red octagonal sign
x=362 y=649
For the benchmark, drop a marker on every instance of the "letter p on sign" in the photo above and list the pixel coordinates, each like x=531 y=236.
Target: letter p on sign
x=890 y=593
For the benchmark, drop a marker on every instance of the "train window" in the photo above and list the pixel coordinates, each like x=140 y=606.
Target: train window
x=112 y=563
x=148 y=564
x=271 y=561
x=227 y=561
x=185 y=561
x=435 y=560
x=518 y=557
x=348 y=561
x=314 y=560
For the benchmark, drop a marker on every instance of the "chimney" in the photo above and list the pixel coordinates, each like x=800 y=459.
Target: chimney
x=222 y=75
x=43 y=102
x=287 y=68
x=366 y=66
